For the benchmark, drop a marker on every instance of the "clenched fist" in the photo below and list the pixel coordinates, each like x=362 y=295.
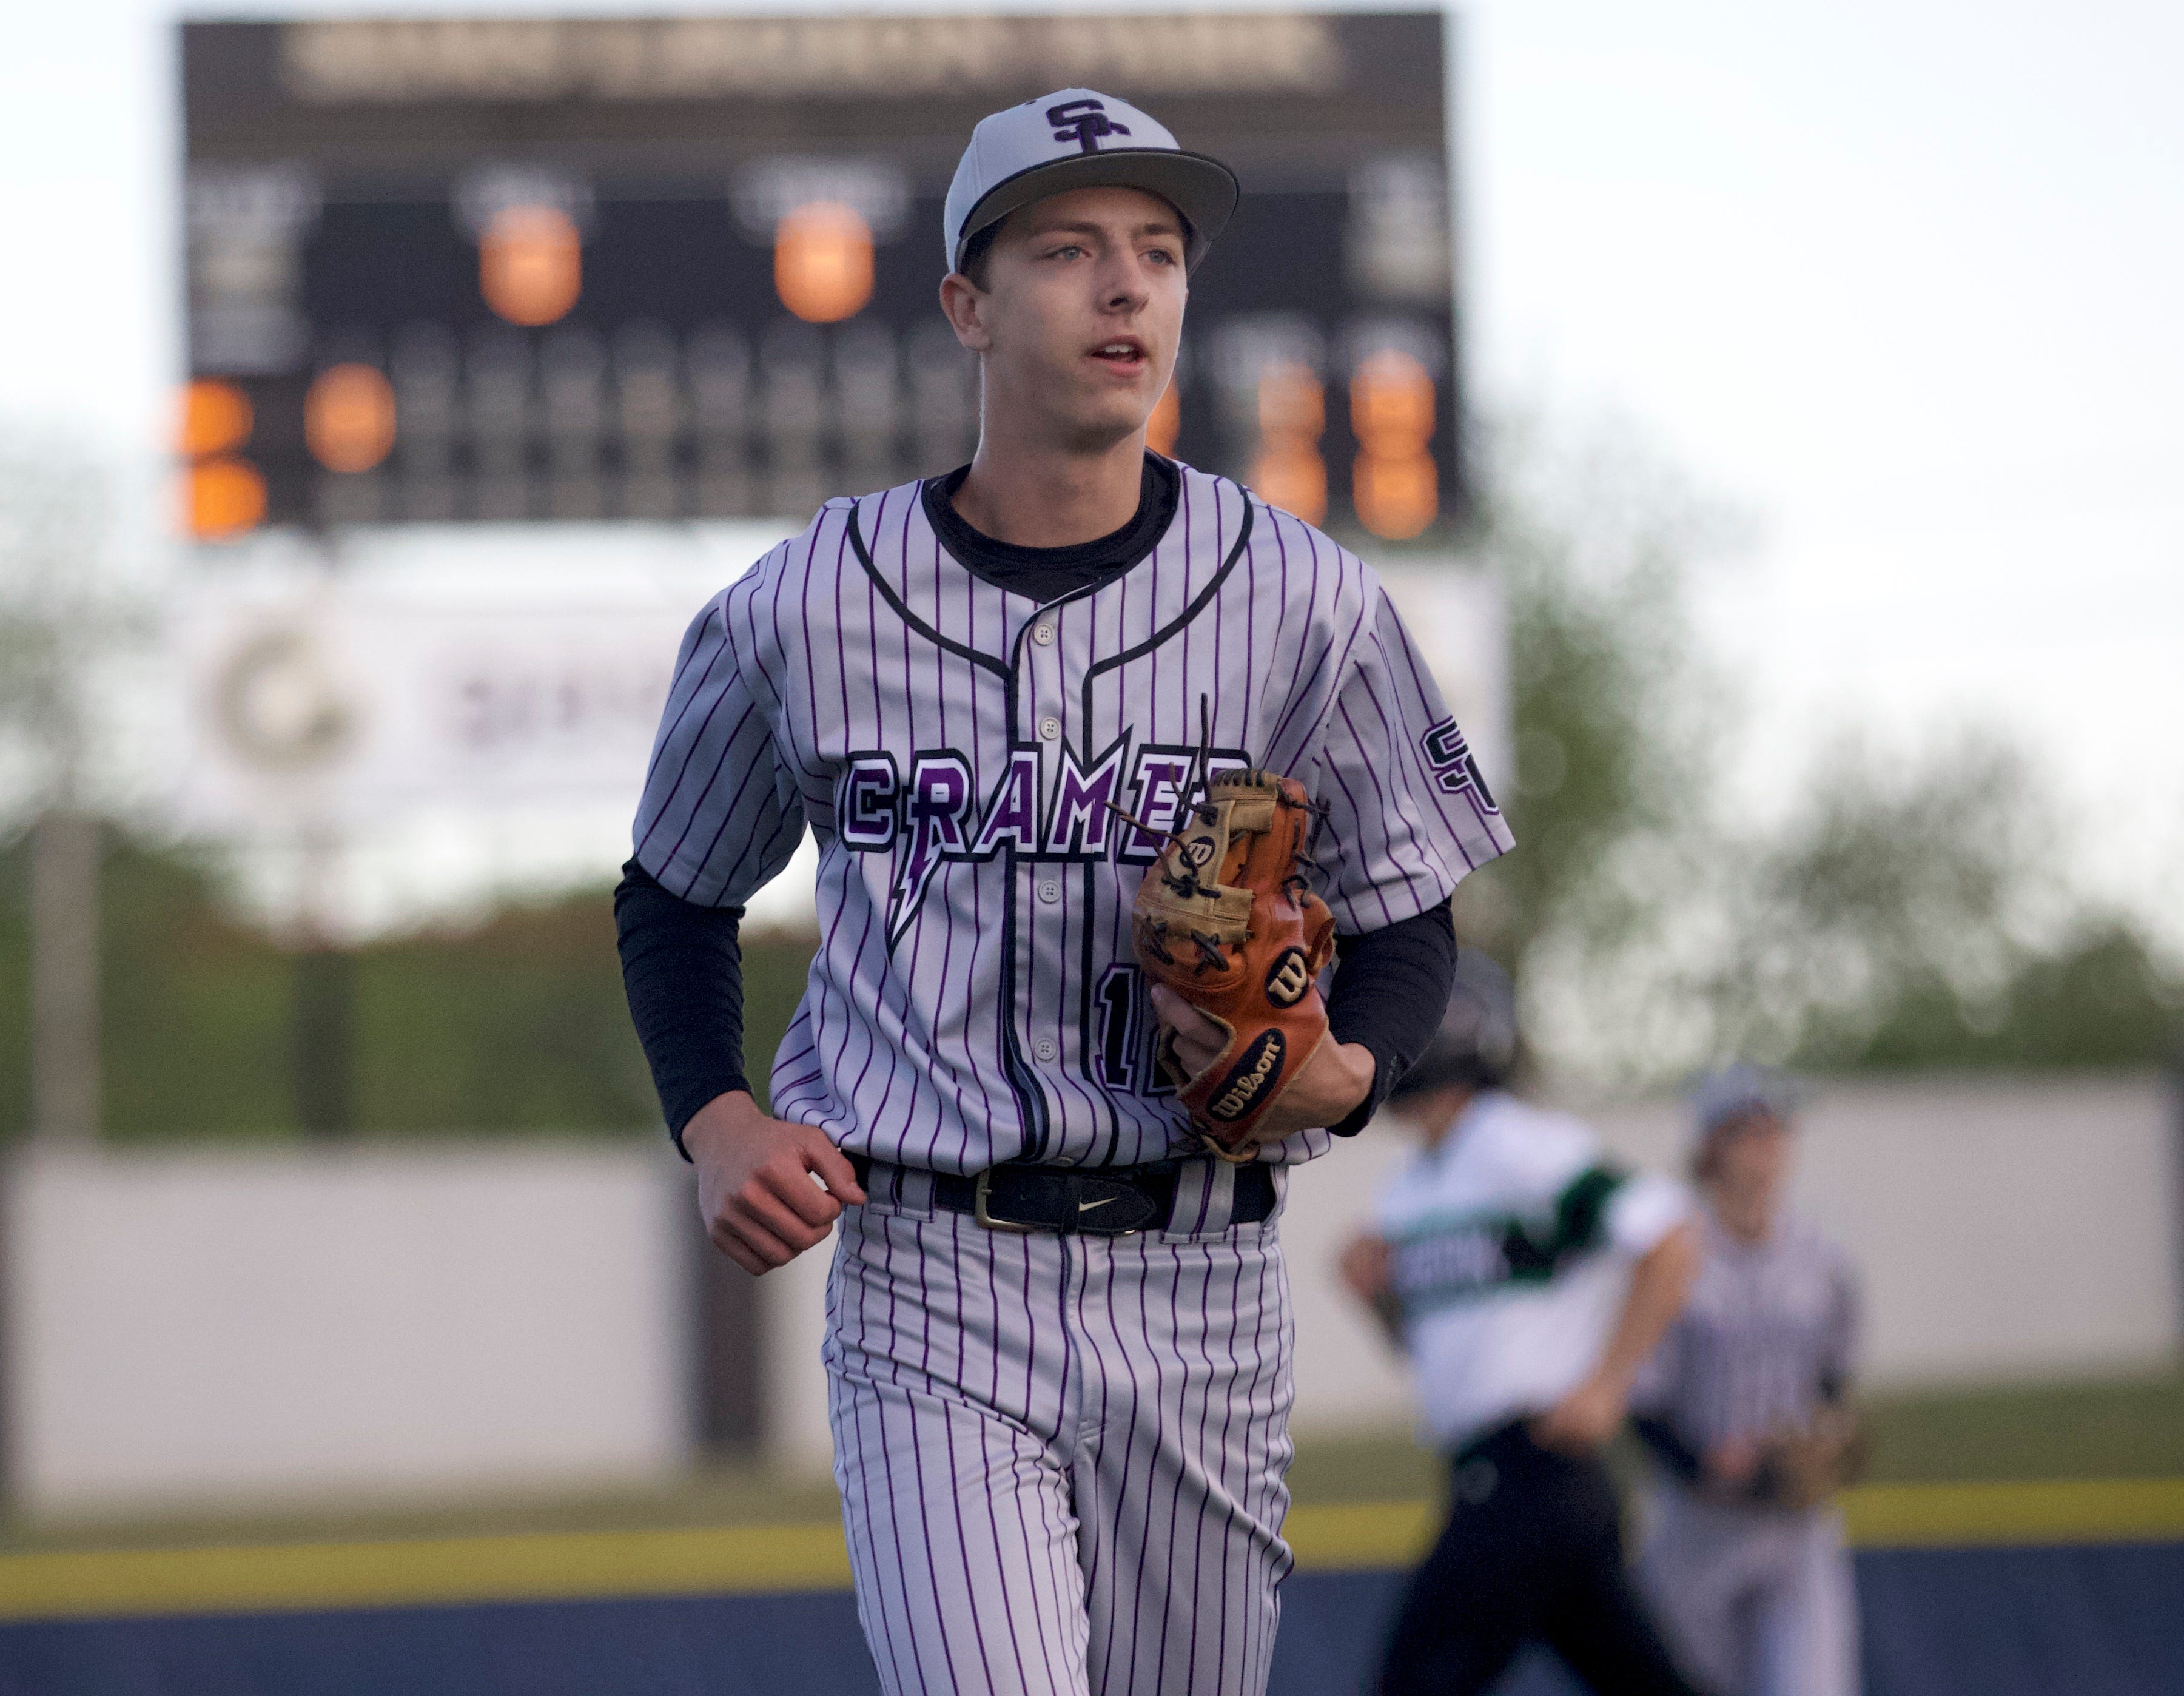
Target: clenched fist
x=756 y=1191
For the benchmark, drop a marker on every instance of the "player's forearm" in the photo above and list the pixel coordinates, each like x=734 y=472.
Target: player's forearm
x=1659 y=1284
x=1391 y=988
x=682 y=972
x=1337 y=1083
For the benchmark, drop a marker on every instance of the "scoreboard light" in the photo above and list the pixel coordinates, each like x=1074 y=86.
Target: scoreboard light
x=216 y=416
x=1289 y=471
x=348 y=417
x=1395 y=483
x=494 y=269
x=223 y=498
x=1167 y=422
x=531 y=264
x=222 y=494
x=823 y=261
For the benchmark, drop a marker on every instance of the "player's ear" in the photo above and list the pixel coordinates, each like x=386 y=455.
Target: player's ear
x=966 y=302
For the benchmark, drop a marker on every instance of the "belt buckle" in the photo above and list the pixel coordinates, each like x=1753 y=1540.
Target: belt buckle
x=978 y=1212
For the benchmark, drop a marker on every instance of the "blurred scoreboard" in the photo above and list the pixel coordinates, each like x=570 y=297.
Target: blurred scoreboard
x=499 y=270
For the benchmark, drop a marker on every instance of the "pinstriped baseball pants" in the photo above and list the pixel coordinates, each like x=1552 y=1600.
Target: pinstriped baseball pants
x=1061 y=1459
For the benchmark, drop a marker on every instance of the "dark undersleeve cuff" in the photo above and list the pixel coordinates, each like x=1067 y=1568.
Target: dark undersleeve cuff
x=1391 y=987
x=681 y=970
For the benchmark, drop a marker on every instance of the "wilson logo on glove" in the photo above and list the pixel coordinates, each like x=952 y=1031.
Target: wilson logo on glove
x=1226 y=919
x=1242 y=1083
x=1288 y=978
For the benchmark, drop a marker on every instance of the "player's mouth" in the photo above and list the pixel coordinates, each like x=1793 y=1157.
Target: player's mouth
x=1124 y=354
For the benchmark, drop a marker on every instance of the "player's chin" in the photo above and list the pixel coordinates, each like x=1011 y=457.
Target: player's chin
x=1105 y=416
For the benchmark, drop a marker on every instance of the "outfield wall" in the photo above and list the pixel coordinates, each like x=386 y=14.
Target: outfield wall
x=2005 y=1228
x=187 y=1328
x=181 y=1328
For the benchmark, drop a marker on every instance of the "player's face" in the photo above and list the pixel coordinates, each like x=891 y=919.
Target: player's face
x=1753 y=1160
x=1083 y=312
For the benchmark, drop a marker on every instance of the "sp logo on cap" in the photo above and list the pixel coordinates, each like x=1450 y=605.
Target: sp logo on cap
x=1083 y=122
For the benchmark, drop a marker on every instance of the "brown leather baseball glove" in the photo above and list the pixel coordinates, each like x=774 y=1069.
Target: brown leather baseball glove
x=1802 y=1467
x=1224 y=918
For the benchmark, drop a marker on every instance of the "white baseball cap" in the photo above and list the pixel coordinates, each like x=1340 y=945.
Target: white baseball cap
x=1076 y=138
x=1739 y=1091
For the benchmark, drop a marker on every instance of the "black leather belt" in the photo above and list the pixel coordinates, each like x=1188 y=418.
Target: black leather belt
x=1099 y=1200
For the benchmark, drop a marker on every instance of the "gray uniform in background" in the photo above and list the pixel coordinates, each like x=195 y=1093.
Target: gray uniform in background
x=1759 y=1600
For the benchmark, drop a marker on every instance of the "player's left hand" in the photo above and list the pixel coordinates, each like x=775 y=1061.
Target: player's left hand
x=1585 y=1418
x=1334 y=1080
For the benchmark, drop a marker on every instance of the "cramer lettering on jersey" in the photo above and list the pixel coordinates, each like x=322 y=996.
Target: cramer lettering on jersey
x=927 y=813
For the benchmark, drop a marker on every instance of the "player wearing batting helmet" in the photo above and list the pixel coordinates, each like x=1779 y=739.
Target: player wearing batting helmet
x=1058 y=1340
x=1528 y=1278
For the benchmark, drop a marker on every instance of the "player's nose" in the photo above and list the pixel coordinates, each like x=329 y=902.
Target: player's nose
x=1124 y=285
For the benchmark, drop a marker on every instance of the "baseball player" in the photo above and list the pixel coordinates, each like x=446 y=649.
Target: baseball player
x=1529 y=1278
x=1059 y=1339
x=1745 y=1406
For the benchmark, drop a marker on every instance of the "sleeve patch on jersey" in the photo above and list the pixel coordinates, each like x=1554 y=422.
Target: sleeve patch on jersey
x=1454 y=766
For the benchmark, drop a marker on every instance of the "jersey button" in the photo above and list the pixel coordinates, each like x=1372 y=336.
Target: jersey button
x=1049 y=730
x=1043 y=634
x=1050 y=890
x=1044 y=1049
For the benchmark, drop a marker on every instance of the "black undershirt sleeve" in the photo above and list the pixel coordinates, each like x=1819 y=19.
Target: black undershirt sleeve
x=683 y=973
x=1391 y=987
x=1677 y=1457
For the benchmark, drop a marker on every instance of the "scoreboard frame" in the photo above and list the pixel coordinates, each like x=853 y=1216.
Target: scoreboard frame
x=685 y=268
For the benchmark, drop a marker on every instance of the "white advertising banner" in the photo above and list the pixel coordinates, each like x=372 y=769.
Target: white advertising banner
x=472 y=675
x=481 y=707
x=343 y=704
x=344 y=699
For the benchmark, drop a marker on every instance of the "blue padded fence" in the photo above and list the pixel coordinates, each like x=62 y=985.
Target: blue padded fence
x=2100 y=1620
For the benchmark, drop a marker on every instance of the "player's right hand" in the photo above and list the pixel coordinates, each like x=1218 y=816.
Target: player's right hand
x=755 y=1193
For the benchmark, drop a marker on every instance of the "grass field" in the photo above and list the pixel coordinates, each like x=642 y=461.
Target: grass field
x=2132 y=1429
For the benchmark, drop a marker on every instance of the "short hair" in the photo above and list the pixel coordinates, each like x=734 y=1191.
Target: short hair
x=979 y=256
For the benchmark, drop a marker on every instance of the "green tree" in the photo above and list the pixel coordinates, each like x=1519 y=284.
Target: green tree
x=1905 y=909
x=1918 y=911
x=514 y=1025
x=1595 y=543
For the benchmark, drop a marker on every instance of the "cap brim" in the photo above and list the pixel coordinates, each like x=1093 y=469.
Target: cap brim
x=1204 y=190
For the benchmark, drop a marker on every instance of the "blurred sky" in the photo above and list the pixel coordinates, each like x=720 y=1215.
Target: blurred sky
x=1905 y=281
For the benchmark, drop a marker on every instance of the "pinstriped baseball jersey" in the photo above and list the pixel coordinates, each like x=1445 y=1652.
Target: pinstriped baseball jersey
x=958 y=750
x=1767 y=1327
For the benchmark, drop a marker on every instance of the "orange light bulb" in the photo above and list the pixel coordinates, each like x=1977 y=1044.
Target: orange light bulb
x=216 y=416
x=1165 y=423
x=531 y=264
x=348 y=417
x=822 y=262
x=222 y=498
